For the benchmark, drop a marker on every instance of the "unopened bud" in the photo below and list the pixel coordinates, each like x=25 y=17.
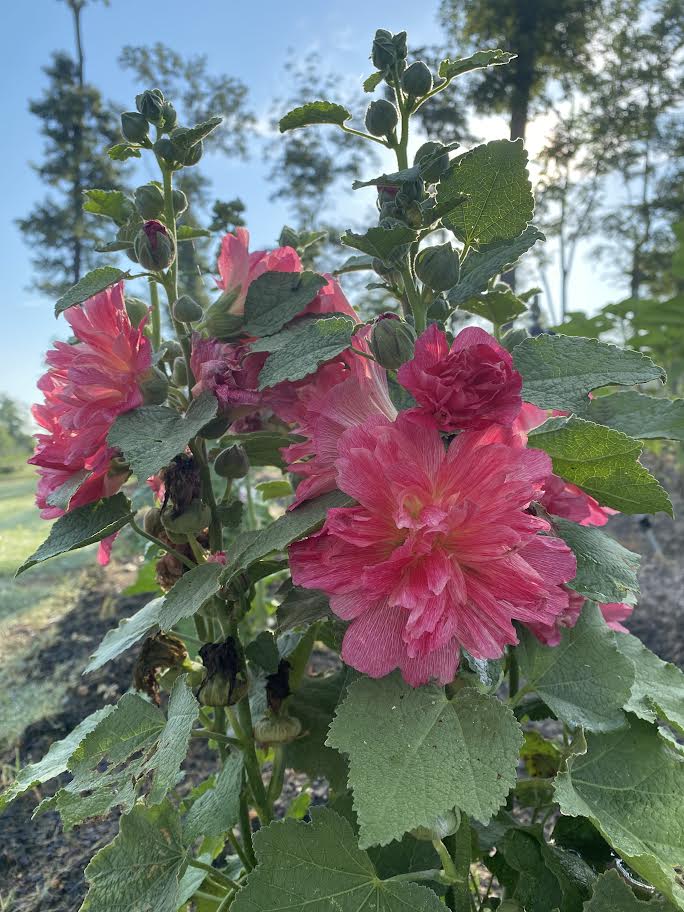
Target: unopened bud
x=417 y=79
x=169 y=116
x=166 y=150
x=232 y=462
x=276 y=729
x=180 y=202
x=443 y=825
x=154 y=386
x=151 y=105
x=180 y=372
x=149 y=201
x=134 y=127
x=432 y=159
x=226 y=681
x=187 y=310
x=187 y=156
x=388 y=49
x=195 y=517
x=392 y=341
x=154 y=247
x=381 y=117
x=438 y=267
x=136 y=309
x=439 y=310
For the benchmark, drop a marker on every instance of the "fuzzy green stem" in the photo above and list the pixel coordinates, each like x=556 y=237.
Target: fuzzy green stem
x=160 y=544
x=246 y=829
x=215 y=873
x=252 y=768
x=414 y=299
x=156 y=316
x=459 y=849
x=275 y=786
x=239 y=851
x=513 y=674
x=354 y=132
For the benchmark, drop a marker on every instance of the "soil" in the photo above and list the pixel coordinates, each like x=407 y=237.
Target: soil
x=41 y=867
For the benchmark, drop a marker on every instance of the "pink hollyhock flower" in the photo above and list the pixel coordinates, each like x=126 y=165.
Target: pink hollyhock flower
x=613 y=613
x=230 y=370
x=331 y=299
x=238 y=267
x=465 y=386
x=440 y=552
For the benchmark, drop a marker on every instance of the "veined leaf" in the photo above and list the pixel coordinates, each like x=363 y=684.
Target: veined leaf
x=298 y=350
x=491 y=260
x=658 y=690
x=91 y=284
x=111 y=204
x=638 y=415
x=449 y=69
x=275 y=298
x=315 y=112
x=380 y=242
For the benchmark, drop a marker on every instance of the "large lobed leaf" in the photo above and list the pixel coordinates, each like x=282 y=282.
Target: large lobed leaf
x=316 y=867
x=602 y=462
x=413 y=754
x=380 y=242
x=658 y=690
x=218 y=808
x=638 y=415
x=91 y=284
x=314 y=112
x=612 y=894
x=275 y=298
x=559 y=372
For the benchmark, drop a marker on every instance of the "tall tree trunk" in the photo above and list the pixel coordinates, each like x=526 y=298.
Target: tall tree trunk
x=76 y=7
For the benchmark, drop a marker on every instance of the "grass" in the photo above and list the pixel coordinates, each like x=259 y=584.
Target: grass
x=29 y=607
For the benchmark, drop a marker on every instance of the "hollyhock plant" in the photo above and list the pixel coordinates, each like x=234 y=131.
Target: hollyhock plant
x=463 y=386
x=440 y=552
x=230 y=370
x=238 y=267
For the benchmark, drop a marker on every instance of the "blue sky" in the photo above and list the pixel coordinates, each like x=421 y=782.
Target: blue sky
x=249 y=40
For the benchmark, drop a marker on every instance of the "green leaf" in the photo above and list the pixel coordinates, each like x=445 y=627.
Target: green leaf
x=500 y=201
x=123 y=151
x=263 y=447
x=61 y=497
x=189 y=233
x=638 y=415
x=630 y=785
x=560 y=371
x=317 y=867
x=489 y=261
x=150 y=436
x=217 y=809
x=585 y=680
x=315 y=112
x=380 y=242
x=128 y=745
x=275 y=298
x=275 y=489
x=371 y=83
x=140 y=870
x=302 y=607
x=54 y=763
x=658 y=690
x=298 y=350
x=498 y=307
x=111 y=204
x=192 y=591
x=295 y=524
x=91 y=284
x=83 y=526
x=602 y=462
x=263 y=651
x=613 y=894
x=314 y=704
x=356 y=263
x=397 y=737
x=448 y=69
x=606 y=572
x=189 y=138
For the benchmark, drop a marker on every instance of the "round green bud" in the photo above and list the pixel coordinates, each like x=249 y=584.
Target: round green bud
x=439 y=310
x=180 y=372
x=417 y=79
x=186 y=156
x=381 y=117
x=442 y=826
x=169 y=116
x=186 y=310
x=216 y=428
x=170 y=350
x=193 y=519
x=180 y=202
x=166 y=150
x=232 y=462
x=438 y=267
x=152 y=523
x=134 y=127
x=154 y=386
x=149 y=201
x=136 y=309
x=388 y=49
x=151 y=105
x=432 y=159
x=392 y=341
x=277 y=729
x=154 y=247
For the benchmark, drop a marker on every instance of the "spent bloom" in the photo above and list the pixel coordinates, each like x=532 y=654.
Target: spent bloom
x=440 y=552
x=463 y=386
x=87 y=385
x=230 y=370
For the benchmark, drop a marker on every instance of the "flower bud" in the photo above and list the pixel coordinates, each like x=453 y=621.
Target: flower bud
x=433 y=160
x=439 y=310
x=442 y=826
x=193 y=155
x=149 y=201
x=186 y=310
x=180 y=202
x=195 y=517
x=232 y=462
x=273 y=729
x=388 y=49
x=166 y=150
x=417 y=79
x=226 y=680
x=152 y=523
x=392 y=341
x=136 y=309
x=169 y=116
x=151 y=105
x=438 y=267
x=134 y=127
x=381 y=117
x=186 y=156
x=154 y=386
x=154 y=247
x=180 y=372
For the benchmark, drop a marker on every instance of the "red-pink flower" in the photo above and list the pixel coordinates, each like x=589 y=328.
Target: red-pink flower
x=465 y=386
x=331 y=299
x=238 y=267
x=230 y=370
x=87 y=385
x=441 y=551
x=613 y=613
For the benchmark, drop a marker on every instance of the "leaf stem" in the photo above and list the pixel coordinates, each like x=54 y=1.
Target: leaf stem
x=252 y=767
x=239 y=851
x=155 y=314
x=160 y=544
x=222 y=878
x=414 y=299
x=246 y=829
x=363 y=135
x=459 y=849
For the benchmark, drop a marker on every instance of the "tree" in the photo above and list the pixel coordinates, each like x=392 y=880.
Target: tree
x=15 y=441
x=77 y=125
